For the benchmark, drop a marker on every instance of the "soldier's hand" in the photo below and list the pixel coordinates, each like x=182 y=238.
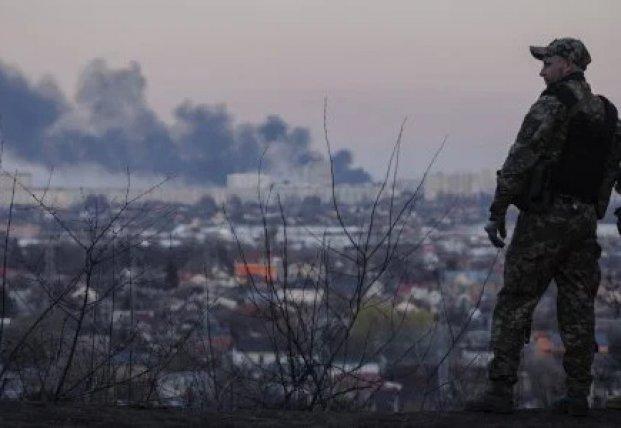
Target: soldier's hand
x=495 y=228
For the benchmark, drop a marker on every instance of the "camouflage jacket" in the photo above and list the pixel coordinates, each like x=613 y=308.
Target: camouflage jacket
x=543 y=133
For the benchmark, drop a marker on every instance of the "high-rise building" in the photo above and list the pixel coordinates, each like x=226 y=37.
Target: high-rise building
x=459 y=183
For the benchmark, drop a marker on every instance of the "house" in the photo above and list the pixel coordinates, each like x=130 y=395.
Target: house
x=255 y=272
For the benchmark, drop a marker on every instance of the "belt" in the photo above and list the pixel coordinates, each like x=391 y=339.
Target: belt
x=571 y=199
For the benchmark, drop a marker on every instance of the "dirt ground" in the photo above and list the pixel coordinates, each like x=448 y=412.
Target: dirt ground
x=20 y=414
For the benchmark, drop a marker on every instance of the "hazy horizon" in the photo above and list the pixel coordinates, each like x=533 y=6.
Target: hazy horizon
x=453 y=68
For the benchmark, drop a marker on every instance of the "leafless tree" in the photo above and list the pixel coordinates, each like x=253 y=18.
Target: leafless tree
x=320 y=343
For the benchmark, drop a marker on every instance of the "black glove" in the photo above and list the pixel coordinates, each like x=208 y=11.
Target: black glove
x=618 y=214
x=494 y=228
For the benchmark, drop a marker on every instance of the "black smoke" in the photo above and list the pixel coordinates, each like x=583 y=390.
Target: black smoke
x=343 y=171
x=28 y=111
x=110 y=124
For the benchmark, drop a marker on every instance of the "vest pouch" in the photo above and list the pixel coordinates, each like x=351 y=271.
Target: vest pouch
x=538 y=192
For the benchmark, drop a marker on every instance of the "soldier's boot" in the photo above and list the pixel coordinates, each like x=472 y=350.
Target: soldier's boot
x=572 y=405
x=498 y=398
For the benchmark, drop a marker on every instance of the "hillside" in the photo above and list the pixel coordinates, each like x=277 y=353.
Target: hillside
x=36 y=414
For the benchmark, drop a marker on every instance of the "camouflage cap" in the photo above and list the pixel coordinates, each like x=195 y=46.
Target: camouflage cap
x=568 y=48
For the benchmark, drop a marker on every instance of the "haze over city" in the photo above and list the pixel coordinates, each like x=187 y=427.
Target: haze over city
x=453 y=68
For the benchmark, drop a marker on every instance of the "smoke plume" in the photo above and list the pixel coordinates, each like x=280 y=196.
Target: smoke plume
x=109 y=124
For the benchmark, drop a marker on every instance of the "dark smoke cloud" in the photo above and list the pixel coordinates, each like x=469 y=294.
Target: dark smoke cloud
x=344 y=173
x=27 y=111
x=111 y=125
x=211 y=146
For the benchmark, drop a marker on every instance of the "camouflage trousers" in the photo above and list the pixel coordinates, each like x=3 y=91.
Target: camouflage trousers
x=559 y=245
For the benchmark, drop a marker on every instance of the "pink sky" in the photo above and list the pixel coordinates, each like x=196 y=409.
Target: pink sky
x=460 y=68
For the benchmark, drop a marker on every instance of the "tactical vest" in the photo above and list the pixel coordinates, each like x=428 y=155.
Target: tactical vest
x=579 y=171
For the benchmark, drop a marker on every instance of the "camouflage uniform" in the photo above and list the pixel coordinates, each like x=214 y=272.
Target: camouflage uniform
x=559 y=244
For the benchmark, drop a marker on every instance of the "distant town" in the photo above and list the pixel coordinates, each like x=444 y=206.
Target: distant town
x=186 y=276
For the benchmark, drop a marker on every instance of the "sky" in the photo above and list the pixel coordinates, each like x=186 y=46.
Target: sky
x=453 y=68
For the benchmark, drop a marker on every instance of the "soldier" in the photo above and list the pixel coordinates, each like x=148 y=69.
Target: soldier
x=559 y=172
